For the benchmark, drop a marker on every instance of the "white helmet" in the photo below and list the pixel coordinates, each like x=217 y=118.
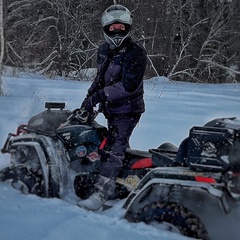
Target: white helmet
x=120 y=15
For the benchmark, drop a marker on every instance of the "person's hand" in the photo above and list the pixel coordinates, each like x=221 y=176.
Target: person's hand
x=74 y=112
x=90 y=102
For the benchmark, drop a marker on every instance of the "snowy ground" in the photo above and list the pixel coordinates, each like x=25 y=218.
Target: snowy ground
x=171 y=110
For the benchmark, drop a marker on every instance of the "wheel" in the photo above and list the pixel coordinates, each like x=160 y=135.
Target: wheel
x=28 y=181
x=174 y=215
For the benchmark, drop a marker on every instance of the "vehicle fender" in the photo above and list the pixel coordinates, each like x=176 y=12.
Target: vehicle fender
x=197 y=197
x=52 y=159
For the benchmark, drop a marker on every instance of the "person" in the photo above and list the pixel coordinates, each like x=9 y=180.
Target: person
x=118 y=88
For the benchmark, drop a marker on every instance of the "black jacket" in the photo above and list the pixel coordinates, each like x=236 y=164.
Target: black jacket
x=120 y=75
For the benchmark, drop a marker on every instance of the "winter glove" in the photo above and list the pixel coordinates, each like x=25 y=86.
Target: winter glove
x=90 y=102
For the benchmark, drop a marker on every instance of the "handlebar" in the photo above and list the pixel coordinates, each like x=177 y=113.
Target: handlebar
x=83 y=116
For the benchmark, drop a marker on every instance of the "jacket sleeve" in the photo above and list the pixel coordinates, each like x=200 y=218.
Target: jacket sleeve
x=132 y=76
x=95 y=86
x=101 y=61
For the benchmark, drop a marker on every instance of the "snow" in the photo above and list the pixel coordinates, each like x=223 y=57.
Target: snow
x=30 y=217
x=172 y=108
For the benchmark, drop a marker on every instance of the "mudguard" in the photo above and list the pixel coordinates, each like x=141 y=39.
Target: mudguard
x=179 y=185
x=49 y=156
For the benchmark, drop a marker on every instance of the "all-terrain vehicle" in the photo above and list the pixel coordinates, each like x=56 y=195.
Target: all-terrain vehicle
x=193 y=188
x=200 y=198
x=58 y=153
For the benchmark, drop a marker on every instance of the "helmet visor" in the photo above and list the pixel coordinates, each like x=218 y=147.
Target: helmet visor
x=116 y=16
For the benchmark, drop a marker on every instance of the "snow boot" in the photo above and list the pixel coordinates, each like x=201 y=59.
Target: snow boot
x=105 y=188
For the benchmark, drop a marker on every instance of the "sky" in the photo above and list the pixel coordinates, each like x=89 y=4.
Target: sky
x=172 y=108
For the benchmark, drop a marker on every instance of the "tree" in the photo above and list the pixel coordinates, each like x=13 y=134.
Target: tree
x=199 y=42
x=188 y=40
x=52 y=35
x=214 y=58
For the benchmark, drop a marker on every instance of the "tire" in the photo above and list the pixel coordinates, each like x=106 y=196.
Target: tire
x=28 y=181
x=174 y=214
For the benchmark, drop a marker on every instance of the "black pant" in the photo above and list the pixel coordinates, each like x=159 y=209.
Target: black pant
x=120 y=129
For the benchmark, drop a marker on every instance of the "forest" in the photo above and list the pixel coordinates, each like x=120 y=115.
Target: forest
x=186 y=40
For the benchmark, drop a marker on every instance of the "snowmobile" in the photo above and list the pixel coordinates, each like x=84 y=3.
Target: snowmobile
x=193 y=189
